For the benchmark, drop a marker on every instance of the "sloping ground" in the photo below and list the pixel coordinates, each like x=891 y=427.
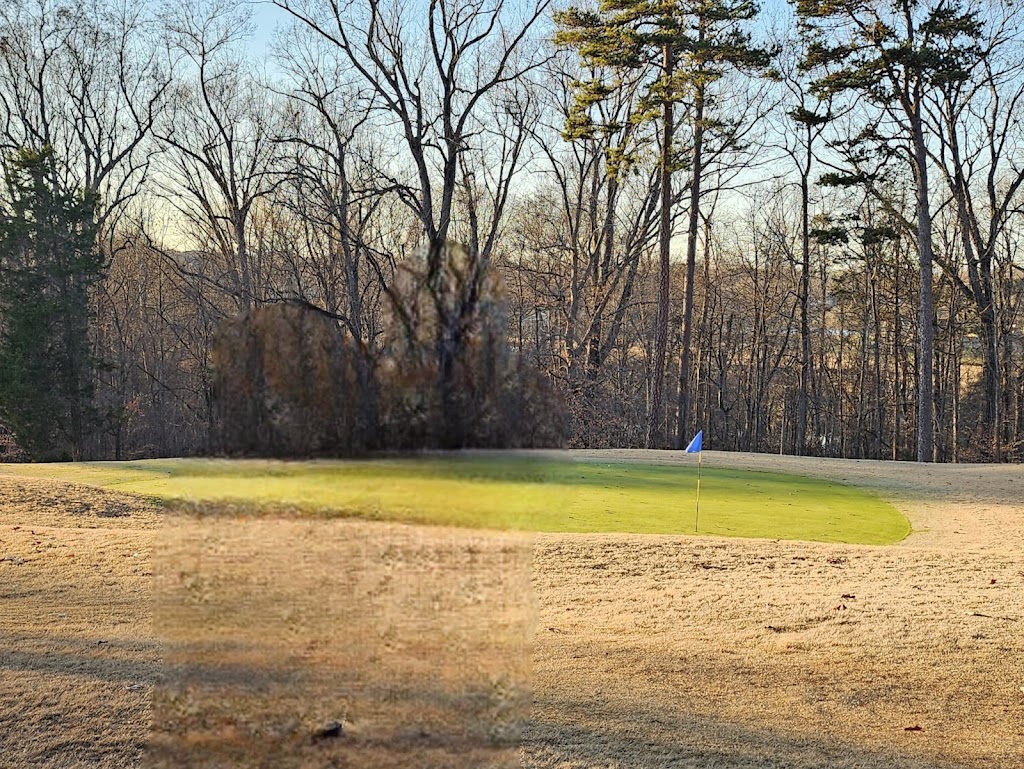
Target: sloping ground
x=682 y=653
x=132 y=638
x=671 y=652
x=413 y=643
x=649 y=651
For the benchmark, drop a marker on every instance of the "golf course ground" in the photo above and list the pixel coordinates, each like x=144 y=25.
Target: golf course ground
x=544 y=609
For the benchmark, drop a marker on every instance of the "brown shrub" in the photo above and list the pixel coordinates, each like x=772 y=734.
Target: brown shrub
x=487 y=400
x=10 y=451
x=284 y=384
x=287 y=379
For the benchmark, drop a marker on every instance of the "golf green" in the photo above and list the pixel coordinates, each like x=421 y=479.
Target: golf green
x=513 y=492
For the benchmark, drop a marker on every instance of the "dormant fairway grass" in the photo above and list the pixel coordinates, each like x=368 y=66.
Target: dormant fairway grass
x=503 y=492
x=647 y=650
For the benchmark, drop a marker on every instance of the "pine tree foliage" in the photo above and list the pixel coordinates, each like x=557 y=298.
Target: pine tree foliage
x=48 y=263
x=681 y=47
x=892 y=52
x=884 y=49
x=703 y=39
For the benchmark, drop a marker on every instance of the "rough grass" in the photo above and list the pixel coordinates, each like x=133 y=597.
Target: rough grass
x=662 y=652
x=535 y=493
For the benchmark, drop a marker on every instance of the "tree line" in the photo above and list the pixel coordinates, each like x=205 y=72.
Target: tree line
x=516 y=223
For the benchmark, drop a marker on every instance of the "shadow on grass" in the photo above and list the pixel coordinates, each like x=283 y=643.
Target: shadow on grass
x=68 y=656
x=209 y=714
x=561 y=734
x=322 y=644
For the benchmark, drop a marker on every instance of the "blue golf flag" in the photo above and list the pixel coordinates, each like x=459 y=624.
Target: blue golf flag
x=696 y=443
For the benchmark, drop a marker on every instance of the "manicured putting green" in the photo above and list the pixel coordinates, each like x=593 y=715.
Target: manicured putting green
x=511 y=492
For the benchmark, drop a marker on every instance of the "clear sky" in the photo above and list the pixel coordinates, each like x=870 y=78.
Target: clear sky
x=267 y=18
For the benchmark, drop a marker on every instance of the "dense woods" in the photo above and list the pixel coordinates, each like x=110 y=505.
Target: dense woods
x=442 y=223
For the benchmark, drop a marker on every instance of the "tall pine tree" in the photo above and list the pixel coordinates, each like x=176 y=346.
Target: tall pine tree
x=685 y=46
x=890 y=52
x=48 y=262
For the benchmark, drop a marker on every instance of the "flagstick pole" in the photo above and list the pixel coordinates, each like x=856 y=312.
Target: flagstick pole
x=696 y=518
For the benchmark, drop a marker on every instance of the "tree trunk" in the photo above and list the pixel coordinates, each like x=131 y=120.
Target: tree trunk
x=664 y=241
x=452 y=436
x=692 y=232
x=926 y=317
x=805 y=324
x=991 y=377
x=245 y=292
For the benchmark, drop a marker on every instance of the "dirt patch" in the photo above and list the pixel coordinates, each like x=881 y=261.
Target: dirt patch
x=649 y=651
x=45 y=503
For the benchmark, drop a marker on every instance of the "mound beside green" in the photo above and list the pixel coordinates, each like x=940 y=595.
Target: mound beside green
x=537 y=494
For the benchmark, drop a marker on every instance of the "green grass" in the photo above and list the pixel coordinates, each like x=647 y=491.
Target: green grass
x=514 y=493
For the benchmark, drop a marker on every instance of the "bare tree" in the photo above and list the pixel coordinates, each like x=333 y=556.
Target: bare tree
x=977 y=124
x=591 y=225
x=448 y=79
x=221 y=142
x=807 y=116
x=88 y=81
x=336 y=191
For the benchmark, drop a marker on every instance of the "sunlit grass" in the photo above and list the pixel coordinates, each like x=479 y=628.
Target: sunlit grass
x=511 y=492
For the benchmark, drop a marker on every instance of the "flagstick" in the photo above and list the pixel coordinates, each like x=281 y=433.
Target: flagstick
x=696 y=518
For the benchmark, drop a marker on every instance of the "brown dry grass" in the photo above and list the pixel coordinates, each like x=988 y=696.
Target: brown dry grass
x=648 y=651
x=77 y=655
x=687 y=652
x=416 y=641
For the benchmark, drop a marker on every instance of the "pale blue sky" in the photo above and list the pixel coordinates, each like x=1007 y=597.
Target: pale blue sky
x=268 y=17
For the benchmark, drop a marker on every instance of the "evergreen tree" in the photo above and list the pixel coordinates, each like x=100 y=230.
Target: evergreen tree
x=891 y=52
x=48 y=262
x=686 y=46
